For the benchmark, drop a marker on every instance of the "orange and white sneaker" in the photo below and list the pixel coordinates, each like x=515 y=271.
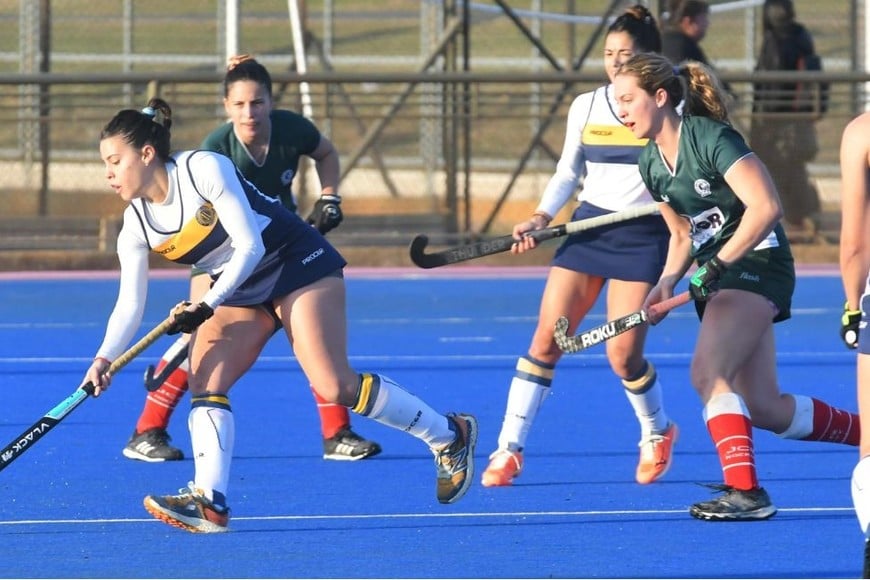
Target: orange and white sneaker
x=504 y=466
x=189 y=510
x=656 y=455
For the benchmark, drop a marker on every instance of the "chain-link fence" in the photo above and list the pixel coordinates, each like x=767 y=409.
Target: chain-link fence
x=421 y=132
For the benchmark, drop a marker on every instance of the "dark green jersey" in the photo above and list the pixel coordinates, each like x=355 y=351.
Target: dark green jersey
x=697 y=189
x=292 y=136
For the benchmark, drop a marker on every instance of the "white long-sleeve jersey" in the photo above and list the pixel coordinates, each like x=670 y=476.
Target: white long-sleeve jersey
x=212 y=218
x=600 y=151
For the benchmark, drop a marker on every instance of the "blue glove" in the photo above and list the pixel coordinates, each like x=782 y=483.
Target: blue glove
x=705 y=282
x=849 y=326
x=326 y=214
x=187 y=321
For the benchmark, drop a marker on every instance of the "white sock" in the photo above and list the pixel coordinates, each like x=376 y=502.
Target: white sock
x=382 y=399
x=802 y=422
x=529 y=387
x=645 y=395
x=861 y=494
x=212 y=434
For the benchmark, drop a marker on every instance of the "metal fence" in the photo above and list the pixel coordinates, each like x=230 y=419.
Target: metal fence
x=454 y=102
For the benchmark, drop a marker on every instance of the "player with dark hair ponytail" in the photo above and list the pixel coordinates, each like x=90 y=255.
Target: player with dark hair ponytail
x=626 y=258
x=266 y=144
x=267 y=268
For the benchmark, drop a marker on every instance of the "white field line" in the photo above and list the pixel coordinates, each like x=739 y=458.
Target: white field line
x=397 y=516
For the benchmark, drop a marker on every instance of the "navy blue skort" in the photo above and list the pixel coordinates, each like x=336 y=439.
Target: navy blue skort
x=634 y=250
x=288 y=267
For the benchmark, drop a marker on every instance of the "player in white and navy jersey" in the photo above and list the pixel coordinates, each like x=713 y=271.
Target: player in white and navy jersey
x=268 y=267
x=626 y=257
x=266 y=144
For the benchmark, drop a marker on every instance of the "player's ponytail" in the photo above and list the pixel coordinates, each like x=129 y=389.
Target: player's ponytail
x=150 y=126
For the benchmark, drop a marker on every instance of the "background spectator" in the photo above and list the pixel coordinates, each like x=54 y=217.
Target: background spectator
x=685 y=28
x=783 y=127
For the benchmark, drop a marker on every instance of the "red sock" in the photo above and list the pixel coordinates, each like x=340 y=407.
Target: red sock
x=160 y=403
x=834 y=425
x=731 y=429
x=333 y=417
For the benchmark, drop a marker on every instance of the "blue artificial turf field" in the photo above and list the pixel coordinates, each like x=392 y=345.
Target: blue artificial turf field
x=72 y=505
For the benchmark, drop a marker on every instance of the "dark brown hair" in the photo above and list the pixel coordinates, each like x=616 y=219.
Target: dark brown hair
x=150 y=126
x=638 y=22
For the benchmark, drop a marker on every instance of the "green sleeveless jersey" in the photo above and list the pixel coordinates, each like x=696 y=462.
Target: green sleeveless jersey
x=697 y=189
x=292 y=136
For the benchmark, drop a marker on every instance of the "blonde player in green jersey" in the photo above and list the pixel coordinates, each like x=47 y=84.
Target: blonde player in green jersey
x=723 y=212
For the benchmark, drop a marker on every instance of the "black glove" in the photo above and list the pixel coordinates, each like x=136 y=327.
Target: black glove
x=705 y=282
x=187 y=321
x=326 y=214
x=849 y=326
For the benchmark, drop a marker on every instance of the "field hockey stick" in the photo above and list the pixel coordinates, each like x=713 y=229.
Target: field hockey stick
x=503 y=243
x=153 y=382
x=48 y=422
x=612 y=328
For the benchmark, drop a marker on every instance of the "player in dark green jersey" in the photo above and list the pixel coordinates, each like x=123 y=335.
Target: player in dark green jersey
x=266 y=144
x=723 y=212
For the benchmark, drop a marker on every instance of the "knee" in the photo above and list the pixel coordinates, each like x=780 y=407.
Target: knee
x=625 y=361
x=543 y=347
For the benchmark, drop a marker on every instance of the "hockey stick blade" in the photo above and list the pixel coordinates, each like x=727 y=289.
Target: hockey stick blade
x=608 y=330
x=154 y=382
x=501 y=244
x=471 y=251
x=49 y=421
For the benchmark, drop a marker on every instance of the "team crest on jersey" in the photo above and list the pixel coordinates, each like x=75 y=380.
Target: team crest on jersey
x=287 y=177
x=206 y=215
x=702 y=187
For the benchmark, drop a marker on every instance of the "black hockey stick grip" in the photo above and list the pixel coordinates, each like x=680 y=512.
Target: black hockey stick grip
x=48 y=421
x=500 y=244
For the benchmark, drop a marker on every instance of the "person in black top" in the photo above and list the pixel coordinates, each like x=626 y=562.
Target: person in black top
x=783 y=127
x=687 y=24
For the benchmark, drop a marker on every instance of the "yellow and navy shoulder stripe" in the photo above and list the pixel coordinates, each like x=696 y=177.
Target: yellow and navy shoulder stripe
x=605 y=139
x=196 y=238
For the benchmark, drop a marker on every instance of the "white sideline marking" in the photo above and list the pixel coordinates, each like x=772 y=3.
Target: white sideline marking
x=387 y=516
